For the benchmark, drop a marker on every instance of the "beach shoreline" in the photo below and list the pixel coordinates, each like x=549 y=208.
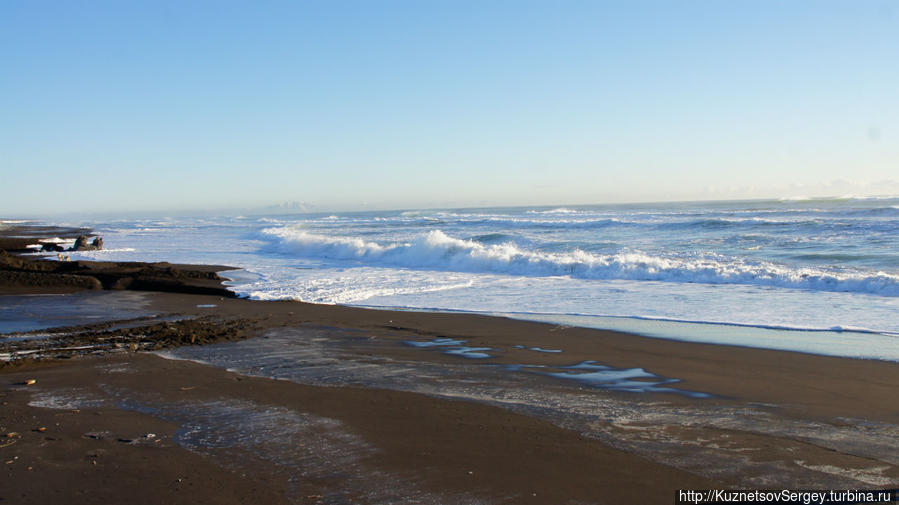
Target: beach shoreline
x=752 y=426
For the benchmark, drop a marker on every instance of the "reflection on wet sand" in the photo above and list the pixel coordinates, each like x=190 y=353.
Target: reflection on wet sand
x=628 y=408
x=632 y=380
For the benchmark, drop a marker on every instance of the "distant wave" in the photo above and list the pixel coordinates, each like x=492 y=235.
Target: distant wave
x=513 y=222
x=842 y=198
x=435 y=250
x=811 y=220
x=560 y=210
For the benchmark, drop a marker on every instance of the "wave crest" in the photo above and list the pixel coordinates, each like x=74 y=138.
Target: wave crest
x=435 y=250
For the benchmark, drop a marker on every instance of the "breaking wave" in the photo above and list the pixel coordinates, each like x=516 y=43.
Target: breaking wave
x=435 y=250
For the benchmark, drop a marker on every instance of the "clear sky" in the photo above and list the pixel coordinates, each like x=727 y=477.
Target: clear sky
x=188 y=104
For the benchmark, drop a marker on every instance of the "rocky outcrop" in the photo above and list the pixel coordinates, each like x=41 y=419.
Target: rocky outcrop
x=82 y=244
x=37 y=280
x=24 y=271
x=19 y=271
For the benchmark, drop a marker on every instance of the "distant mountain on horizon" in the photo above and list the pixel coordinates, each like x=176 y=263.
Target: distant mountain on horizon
x=292 y=206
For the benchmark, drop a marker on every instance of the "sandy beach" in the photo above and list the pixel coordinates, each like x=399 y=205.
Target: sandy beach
x=449 y=253
x=289 y=402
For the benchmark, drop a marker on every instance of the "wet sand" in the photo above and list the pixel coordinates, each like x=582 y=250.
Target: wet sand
x=300 y=443
x=361 y=415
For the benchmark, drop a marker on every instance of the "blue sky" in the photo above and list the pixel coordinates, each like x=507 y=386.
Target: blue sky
x=113 y=105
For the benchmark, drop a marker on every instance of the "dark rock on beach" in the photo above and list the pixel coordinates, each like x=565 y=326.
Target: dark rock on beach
x=18 y=238
x=37 y=280
x=40 y=274
x=51 y=247
x=82 y=244
x=26 y=272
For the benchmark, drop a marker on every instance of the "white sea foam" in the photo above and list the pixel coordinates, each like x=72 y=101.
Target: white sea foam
x=560 y=210
x=435 y=250
x=330 y=292
x=840 y=198
x=110 y=250
x=783 y=327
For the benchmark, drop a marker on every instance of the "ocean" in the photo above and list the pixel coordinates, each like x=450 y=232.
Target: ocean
x=810 y=275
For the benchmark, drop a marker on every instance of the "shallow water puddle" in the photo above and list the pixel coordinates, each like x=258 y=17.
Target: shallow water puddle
x=620 y=379
x=469 y=352
x=589 y=373
x=455 y=348
x=23 y=313
x=537 y=349
x=435 y=343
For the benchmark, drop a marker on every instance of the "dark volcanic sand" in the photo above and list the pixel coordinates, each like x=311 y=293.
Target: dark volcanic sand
x=386 y=443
